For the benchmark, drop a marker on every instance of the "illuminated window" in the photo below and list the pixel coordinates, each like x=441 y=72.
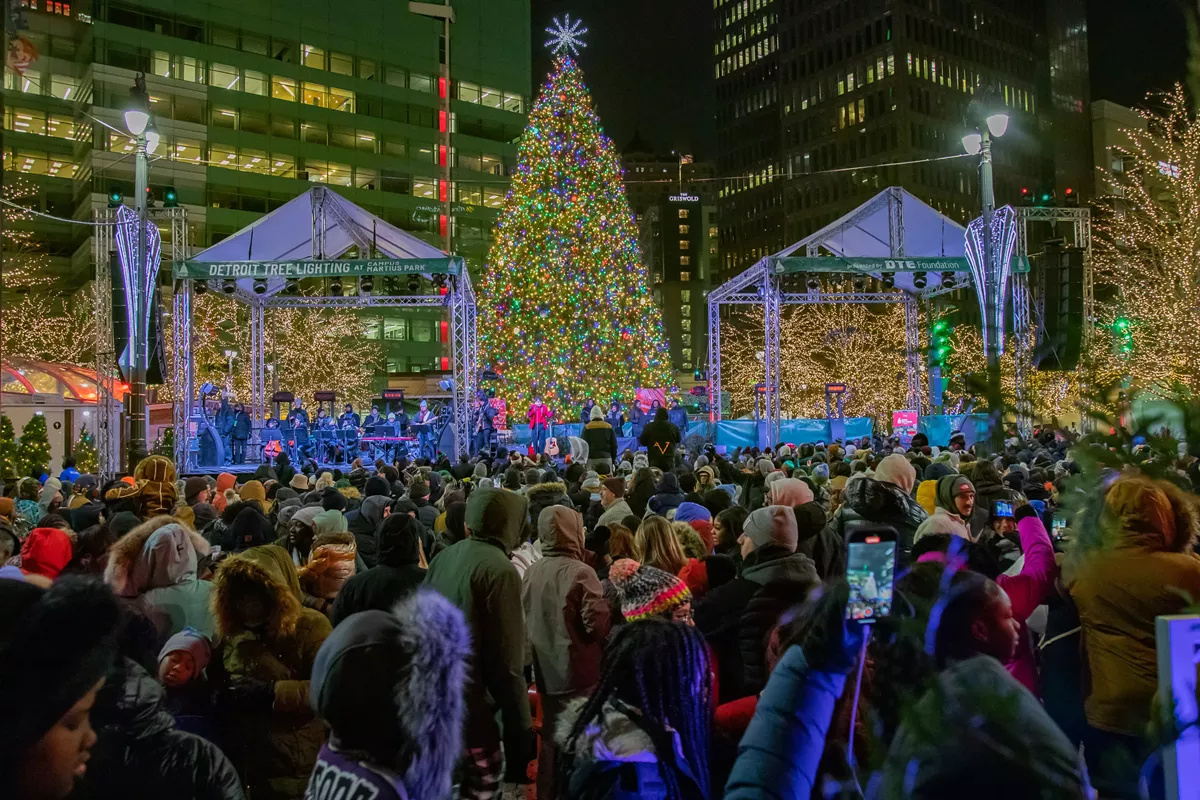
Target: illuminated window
x=685 y=324
x=254 y=82
x=339 y=175
x=685 y=296
x=312 y=56
x=341 y=63
x=341 y=100
x=365 y=178
x=423 y=187
x=55 y=7
x=314 y=94
x=687 y=354
x=283 y=166
x=684 y=244
x=684 y=230
x=186 y=150
x=222 y=155
x=683 y=213
x=685 y=261
x=468 y=92
x=283 y=88
x=224 y=117
x=62 y=86
x=420 y=83
x=685 y=277
x=686 y=311
x=222 y=76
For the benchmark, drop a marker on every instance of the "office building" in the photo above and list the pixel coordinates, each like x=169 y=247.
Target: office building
x=1111 y=144
x=650 y=176
x=864 y=86
x=254 y=103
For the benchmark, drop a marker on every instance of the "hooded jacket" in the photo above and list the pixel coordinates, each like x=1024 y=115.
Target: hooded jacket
x=1143 y=573
x=737 y=617
x=139 y=752
x=364 y=522
x=945 y=517
x=274 y=747
x=668 y=496
x=869 y=500
x=478 y=577
x=601 y=439
x=154 y=569
x=542 y=495
x=395 y=575
x=565 y=611
x=988 y=489
x=660 y=439
x=45 y=552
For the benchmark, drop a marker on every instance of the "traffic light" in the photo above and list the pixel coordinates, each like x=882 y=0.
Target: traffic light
x=939 y=343
x=1123 y=333
x=115 y=198
x=170 y=197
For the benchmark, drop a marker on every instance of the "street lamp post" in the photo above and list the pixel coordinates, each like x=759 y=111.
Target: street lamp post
x=979 y=142
x=446 y=14
x=137 y=120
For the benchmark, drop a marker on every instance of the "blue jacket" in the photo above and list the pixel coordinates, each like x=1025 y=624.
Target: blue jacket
x=781 y=751
x=679 y=418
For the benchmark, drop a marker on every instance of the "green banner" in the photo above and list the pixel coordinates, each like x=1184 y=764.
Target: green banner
x=867 y=265
x=313 y=268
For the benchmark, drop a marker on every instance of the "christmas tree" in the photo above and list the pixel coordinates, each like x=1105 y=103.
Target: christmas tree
x=8 y=450
x=33 y=452
x=87 y=459
x=566 y=310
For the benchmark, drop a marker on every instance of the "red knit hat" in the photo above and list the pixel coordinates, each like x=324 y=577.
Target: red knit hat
x=646 y=591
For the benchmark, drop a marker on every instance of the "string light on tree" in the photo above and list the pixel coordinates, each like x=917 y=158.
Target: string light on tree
x=566 y=310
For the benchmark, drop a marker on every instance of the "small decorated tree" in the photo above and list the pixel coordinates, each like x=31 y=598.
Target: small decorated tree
x=87 y=458
x=33 y=451
x=164 y=445
x=8 y=450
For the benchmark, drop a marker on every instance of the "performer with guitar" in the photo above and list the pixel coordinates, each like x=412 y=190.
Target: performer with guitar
x=485 y=425
x=240 y=433
x=425 y=437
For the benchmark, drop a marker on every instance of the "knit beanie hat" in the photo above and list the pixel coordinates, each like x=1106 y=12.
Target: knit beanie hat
x=253 y=490
x=640 y=460
x=773 y=525
x=418 y=490
x=377 y=485
x=55 y=645
x=615 y=485
x=691 y=511
x=481 y=469
x=192 y=642
x=789 y=492
x=646 y=591
x=193 y=486
x=331 y=521
x=597 y=413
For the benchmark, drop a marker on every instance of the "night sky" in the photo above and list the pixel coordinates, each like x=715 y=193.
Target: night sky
x=649 y=62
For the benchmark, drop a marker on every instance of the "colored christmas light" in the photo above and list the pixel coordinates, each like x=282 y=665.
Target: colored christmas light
x=565 y=305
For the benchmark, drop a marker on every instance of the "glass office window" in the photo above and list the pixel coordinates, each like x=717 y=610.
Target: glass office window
x=283 y=127
x=396 y=76
x=63 y=86
x=223 y=117
x=160 y=63
x=423 y=187
x=223 y=76
x=283 y=165
x=254 y=82
x=513 y=102
x=365 y=178
x=468 y=92
x=341 y=100
x=420 y=83
x=189 y=69
x=317 y=170
x=491 y=98
x=341 y=63
x=283 y=88
x=253 y=122
x=366 y=140
x=222 y=155
x=395 y=147
x=187 y=150
x=340 y=175
x=422 y=330
x=314 y=134
x=312 y=56
x=341 y=137
x=314 y=94
x=366 y=69
x=250 y=160
x=493 y=197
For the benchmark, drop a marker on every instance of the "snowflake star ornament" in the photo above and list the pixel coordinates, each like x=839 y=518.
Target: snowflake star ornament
x=566 y=37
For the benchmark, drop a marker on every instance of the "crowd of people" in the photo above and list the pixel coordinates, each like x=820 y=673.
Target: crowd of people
x=662 y=623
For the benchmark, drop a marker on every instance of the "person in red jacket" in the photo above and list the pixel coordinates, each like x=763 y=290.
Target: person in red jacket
x=44 y=553
x=539 y=421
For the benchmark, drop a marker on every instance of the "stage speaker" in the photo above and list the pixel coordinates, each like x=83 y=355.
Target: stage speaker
x=1060 y=331
x=445 y=443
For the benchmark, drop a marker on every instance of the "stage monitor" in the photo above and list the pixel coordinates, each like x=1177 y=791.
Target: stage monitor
x=324 y=396
x=393 y=394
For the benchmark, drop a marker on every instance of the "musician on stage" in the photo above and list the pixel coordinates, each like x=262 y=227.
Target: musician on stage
x=225 y=420
x=240 y=433
x=298 y=417
x=401 y=422
x=485 y=425
x=324 y=421
x=349 y=415
x=373 y=418
x=425 y=438
x=539 y=422
x=616 y=418
x=585 y=415
x=350 y=435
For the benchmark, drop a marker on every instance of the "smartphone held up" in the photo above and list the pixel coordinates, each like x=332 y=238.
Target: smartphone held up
x=871 y=552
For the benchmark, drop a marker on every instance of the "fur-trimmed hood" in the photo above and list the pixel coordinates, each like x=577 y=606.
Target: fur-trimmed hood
x=542 y=495
x=1151 y=515
x=392 y=683
x=160 y=552
x=269 y=567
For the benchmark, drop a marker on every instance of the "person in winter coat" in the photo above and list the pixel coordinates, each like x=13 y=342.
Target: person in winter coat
x=477 y=576
x=140 y=752
x=1028 y=589
x=389 y=683
x=881 y=503
x=737 y=618
x=989 y=487
x=427 y=512
x=612 y=498
x=615 y=418
x=644 y=732
x=544 y=495
x=660 y=438
x=954 y=497
x=154 y=569
x=602 y=443
x=265 y=649
x=567 y=620
x=396 y=574
x=363 y=524
x=155 y=476
x=182 y=665
x=667 y=495
x=331 y=563
x=641 y=489
x=44 y=554
x=1145 y=569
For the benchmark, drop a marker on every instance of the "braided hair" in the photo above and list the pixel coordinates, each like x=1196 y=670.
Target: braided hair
x=660 y=668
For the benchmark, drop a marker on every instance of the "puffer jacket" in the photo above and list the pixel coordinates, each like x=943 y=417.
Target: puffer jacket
x=541 y=495
x=153 y=568
x=1145 y=570
x=364 y=522
x=274 y=748
x=566 y=616
x=396 y=575
x=139 y=753
x=737 y=617
x=871 y=501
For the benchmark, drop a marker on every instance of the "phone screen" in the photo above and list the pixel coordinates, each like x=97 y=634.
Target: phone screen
x=871 y=573
x=1002 y=508
x=1058 y=527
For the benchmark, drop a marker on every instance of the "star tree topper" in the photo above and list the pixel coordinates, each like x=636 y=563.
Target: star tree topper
x=566 y=37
